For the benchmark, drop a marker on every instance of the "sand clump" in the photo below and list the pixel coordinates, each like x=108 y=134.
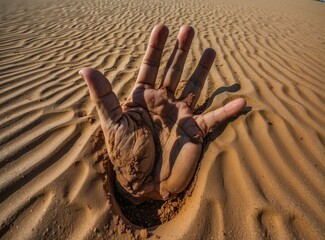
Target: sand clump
x=261 y=175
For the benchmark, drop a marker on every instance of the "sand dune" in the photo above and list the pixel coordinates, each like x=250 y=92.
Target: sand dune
x=261 y=175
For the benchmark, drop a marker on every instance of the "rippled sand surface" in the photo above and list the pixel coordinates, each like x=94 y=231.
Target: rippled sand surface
x=261 y=176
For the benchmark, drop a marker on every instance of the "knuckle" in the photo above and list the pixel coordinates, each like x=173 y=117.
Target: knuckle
x=151 y=63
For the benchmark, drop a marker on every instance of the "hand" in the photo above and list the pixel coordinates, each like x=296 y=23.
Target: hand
x=154 y=141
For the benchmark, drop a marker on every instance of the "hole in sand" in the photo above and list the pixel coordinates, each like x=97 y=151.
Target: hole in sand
x=152 y=212
x=148 y=214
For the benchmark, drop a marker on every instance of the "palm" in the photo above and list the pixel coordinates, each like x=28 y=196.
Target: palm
x=177 y=137
x=154 y=140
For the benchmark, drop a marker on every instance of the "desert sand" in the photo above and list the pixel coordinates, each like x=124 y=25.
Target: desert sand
x=261 y=175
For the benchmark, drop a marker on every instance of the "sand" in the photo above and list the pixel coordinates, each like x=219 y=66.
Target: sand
x=261 y=176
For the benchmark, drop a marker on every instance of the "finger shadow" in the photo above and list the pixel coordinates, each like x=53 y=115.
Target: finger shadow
x=208 y=102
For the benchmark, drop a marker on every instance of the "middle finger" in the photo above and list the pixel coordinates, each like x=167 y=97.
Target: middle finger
x=175 y=64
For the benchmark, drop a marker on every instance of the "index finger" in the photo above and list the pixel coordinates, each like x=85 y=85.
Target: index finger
x=151 y=61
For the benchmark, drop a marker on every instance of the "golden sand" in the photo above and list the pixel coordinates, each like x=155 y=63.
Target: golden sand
x=261 y=176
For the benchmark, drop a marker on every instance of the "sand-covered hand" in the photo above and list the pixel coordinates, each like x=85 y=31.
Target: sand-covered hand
x=154 y=140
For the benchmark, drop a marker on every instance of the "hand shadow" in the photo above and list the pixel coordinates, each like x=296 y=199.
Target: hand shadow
x=216 y=132
x=208 y=102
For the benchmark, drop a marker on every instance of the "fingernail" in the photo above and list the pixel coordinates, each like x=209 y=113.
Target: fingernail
x=80 y=74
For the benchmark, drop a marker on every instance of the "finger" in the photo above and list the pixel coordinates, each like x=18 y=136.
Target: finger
x=214 y=118
x=107 y=104
x=151 y=61
x=197 y=79
x=175 y=64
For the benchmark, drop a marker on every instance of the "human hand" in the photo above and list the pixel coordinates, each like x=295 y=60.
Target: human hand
x=154 y=140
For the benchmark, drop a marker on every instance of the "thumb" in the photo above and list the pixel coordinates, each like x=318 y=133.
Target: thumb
x=107 y=104
x=216 y=117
